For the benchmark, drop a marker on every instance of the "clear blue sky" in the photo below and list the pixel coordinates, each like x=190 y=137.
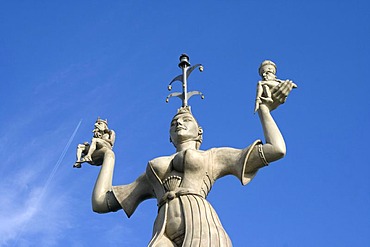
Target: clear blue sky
x=66 y=61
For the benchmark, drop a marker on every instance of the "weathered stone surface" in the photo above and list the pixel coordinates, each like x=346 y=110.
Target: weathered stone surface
x=181 y=182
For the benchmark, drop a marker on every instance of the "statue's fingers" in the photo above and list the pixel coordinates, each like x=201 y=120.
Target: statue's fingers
x=286 y=90
x=288 y=86
x=278 y=90
x=282 y=93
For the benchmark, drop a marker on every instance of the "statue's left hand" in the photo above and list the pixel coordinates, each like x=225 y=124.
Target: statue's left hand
x=278 y=95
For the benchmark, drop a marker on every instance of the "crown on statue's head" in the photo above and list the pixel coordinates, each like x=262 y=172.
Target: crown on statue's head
x=99 y=120
x=184 y=109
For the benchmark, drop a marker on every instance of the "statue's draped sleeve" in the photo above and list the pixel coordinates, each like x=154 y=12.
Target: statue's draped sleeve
x=131 y=195
x=242 y=163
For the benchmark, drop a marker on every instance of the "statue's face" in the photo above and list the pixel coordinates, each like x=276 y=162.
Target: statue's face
x=268 y=72
x=183 y=128
x=101 y=126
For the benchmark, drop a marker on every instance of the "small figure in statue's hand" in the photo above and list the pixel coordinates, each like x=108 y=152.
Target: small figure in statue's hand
x=102 y=138
x=267 y=71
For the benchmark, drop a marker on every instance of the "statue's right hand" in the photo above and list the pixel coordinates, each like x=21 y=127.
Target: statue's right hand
x=280 y=93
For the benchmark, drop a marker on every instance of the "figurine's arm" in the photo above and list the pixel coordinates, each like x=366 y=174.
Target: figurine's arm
x=110 y=137
x=274 y=148
x=258 y=95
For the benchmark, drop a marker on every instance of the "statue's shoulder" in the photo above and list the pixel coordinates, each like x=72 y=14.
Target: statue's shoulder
x=160 y=161
x=160 y=164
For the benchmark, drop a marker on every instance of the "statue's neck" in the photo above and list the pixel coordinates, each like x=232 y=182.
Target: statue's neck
x=186 y=145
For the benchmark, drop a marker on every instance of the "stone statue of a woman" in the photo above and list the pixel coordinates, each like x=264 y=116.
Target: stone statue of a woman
x=181 y=182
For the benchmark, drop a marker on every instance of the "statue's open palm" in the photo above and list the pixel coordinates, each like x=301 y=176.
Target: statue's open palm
x=277 y=95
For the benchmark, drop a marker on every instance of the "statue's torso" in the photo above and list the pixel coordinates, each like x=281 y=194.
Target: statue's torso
x=192 y=166
x=184 y=171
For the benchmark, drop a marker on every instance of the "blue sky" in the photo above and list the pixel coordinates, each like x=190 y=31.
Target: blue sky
x=66 y=61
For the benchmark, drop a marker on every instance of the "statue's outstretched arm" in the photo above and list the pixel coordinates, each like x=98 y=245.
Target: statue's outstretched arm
x=107 y=198
x=103 y=183
x=274 y=148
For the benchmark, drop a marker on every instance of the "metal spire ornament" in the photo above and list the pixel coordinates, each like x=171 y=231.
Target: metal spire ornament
x=186 y=71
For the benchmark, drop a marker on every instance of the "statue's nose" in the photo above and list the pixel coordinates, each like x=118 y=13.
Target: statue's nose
x=179 y=122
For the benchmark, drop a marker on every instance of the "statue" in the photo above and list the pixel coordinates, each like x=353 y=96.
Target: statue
x=181 y=182
x=267 y=71
x=102 y=141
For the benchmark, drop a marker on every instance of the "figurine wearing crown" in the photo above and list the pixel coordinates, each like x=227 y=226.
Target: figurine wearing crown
x=180 y=182
x=103 y=139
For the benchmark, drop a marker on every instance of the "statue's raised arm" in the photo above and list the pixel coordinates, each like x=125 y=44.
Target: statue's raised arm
x=271 y=92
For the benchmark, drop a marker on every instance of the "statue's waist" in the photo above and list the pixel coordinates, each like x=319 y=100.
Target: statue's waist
x=170 y=195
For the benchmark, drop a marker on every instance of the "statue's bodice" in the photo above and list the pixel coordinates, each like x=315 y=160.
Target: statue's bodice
x=189 y=169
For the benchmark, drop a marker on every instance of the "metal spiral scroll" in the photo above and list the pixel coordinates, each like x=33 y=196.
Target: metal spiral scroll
x=186 y=71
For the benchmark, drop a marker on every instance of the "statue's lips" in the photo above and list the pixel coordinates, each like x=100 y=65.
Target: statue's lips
x=180 y=128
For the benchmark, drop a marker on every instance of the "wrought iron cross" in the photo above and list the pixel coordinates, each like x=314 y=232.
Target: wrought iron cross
x=186 y=71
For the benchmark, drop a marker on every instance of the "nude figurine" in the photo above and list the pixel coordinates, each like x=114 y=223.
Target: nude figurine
x=102 y=138
x=267 y=71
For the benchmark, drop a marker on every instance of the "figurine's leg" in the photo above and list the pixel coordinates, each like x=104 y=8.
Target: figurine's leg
x=92 y=148
x=266 y=93
x=81 y=148
x=258 y=95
